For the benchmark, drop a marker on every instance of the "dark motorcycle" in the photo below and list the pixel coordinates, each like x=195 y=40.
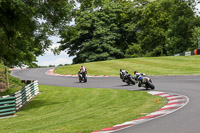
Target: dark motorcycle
x=82 y=76
x=145 y=82
x=126 y=77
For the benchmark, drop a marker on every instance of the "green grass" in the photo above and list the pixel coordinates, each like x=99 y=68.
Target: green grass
x=79 y=110
x=167 y=65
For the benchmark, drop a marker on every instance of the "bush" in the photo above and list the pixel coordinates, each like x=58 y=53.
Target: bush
x=15 y=84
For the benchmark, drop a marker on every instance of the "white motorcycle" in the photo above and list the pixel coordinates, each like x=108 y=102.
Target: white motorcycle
x=145 y=82
x=126 y=77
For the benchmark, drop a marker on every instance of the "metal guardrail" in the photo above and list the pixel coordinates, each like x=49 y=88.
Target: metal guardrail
x=7 y=106
x=10 y=104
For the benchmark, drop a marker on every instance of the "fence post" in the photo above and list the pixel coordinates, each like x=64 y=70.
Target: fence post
x=6 y=76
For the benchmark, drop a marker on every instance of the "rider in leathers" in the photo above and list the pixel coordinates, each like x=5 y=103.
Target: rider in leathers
x=83 y=71
x=137 y=75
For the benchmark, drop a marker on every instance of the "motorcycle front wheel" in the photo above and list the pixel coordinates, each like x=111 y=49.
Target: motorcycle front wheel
x=85 y=79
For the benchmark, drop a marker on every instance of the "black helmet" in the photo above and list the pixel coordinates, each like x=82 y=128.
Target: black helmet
x=135 y=72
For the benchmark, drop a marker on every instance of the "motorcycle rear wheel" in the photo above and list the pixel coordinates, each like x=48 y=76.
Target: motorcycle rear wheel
x=150 y=85
x=85 y=79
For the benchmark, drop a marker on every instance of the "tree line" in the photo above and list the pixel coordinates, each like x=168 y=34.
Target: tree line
x=113 y=29
x=102 y=29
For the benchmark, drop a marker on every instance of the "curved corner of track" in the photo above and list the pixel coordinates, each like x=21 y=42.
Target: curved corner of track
x=50 y=72
x=175 y=102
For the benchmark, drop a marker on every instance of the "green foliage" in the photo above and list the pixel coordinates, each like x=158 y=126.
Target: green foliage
x=103 y=30
x=152 y=27
x=134 y=50
x=164 y=28
x=15 y=83
x=51 y=65
x=111 y=29
x=16 y=29
x=25 y=26
x=194 y=39
x=60 y=65
x=180 y=28
x=130 y=17
x=2 y=72
x=96 y=34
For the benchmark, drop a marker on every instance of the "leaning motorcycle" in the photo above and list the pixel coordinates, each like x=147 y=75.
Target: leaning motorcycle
x=82 y=76
x=126 y=77
x=145 y=82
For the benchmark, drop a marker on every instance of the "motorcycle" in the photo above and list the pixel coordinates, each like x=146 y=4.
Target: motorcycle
x=126 y=77
x=82 y=76
x=145 y=82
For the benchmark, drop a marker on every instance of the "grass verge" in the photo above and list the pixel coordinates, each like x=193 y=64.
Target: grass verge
x=167 y=65
x=80 y=110
x=15 y=84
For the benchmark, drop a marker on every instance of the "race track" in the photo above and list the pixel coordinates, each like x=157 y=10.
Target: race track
x=185 y=120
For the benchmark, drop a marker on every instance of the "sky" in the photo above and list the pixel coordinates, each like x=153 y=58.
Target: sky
x=50 y=59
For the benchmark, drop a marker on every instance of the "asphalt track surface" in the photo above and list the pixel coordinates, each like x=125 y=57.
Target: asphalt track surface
x=185 y=120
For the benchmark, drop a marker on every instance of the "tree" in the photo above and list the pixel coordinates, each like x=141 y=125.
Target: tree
x=195 y=39
x=134 y=50
x=25 y=26
x=103 y=29
x=152 y=26
x=164 y=28
x=96 y=35
x=181 y=23
x=129 y=23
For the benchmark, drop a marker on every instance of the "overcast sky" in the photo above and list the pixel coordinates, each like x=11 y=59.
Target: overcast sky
x=50 y=59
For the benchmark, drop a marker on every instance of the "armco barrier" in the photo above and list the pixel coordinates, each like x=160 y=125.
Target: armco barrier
x=7 y=106
x=10 y=104
x=193 y=52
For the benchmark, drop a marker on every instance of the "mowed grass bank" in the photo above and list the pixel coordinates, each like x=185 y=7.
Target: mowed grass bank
x=79 y=110
x=167 y=65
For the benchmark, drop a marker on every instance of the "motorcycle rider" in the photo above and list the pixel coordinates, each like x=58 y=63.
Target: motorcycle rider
x=83 y=70
x=123 y=74
x=137 y=77
x=126 y=77
x=82 y=74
